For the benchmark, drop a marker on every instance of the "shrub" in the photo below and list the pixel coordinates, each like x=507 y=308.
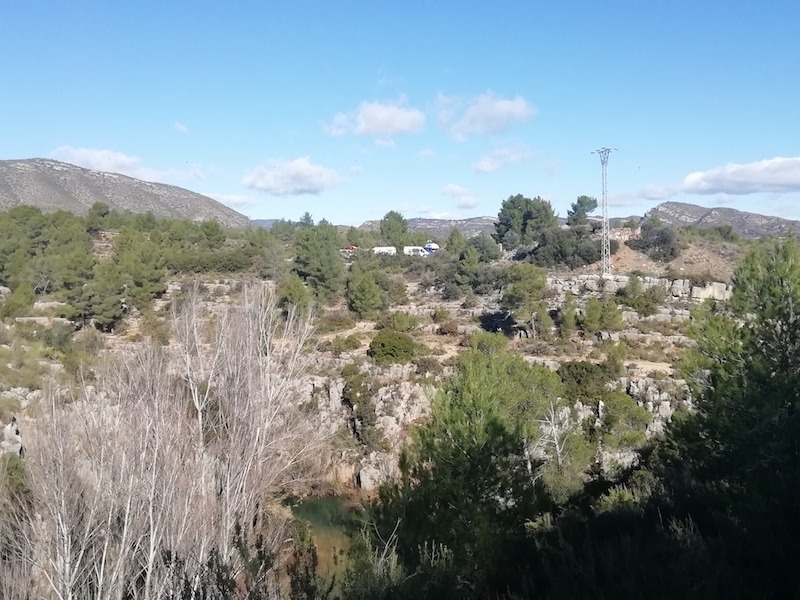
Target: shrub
x=452 y=291
x=657 y=241
x=427 y=365
x=341 y=344
x=601 y=315
x=392 y=347
x=440 y=315
x=470 y=300
x=335 y=320
x=357 y=393
x=89 y=341
x=59 y=335
x=397 y=321
x=448 y=328
x=488 y=343
x=157 y=329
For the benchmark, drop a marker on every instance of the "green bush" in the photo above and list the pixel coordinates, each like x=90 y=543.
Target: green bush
x=601 y=315
x=392 y=347
x=397 y=321
x=340 y=344
x=488 y=343
x=335 y=320
x=658 y=241
x=58 y=335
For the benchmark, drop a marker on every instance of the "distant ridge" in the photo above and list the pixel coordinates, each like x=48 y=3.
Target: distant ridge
x=442 y=227
x=53 y=185
x=745 y=224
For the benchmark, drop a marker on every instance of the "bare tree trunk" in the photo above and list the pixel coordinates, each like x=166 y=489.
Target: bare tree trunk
x=135 y=484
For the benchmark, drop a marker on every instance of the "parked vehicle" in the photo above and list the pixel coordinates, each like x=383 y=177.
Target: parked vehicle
x=384 y=250
x=415 y=251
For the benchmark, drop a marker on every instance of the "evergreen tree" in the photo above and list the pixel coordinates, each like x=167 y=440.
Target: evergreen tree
x=318 y=262
x=364 y=295
x=521 y=220
x=394 y=229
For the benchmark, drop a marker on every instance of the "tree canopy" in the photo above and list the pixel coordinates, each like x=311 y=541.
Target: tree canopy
x=521 y=220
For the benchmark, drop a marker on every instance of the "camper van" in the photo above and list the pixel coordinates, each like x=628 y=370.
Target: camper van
x=384 y=250
x=414 y=251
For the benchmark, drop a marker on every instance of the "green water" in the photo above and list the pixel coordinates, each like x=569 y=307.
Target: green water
x=331 y=522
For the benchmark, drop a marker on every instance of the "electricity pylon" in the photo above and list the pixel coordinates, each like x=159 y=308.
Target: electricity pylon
x=606 y=251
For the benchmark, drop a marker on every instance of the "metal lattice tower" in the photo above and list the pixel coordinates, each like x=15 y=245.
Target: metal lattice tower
x=606 y=251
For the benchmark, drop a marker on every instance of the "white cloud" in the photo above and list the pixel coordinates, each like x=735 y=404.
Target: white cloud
x=466 y=198
x=291 y=178
x=500 y=158
x=484 y=114
x=377 y=119
x=117 y=162
x=180 y=127
x=340 y=125
x=776 y=175
x=384 y=142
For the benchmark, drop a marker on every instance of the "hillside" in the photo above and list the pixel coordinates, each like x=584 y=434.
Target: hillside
x=442 y=227
x=52 y=185
x=745 y=224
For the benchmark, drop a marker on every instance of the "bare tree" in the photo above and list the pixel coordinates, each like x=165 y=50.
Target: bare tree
x=144 y=479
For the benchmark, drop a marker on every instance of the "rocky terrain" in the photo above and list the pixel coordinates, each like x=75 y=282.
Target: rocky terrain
x=441 y=228
x=52 y=185
x=745 y=224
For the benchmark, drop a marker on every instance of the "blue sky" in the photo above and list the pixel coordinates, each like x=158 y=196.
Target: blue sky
x=442 y=109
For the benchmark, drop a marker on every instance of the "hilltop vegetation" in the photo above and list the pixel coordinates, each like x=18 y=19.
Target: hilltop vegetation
x=559 y=436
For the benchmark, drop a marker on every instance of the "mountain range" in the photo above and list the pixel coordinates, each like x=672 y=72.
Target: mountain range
x=745 y=224
x=52 y=185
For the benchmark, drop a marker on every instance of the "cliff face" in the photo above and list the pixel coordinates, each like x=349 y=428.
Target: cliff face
x=52 y=185
x=745 y=224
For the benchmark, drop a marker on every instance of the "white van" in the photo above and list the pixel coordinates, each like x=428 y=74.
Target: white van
x=384 y=250
x=414 y=251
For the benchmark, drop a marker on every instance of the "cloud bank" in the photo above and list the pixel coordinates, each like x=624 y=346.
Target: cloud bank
x=377 y=119
x=774 y=175
x=291 y=178
x=117 y=162
x=483 y=115
x=779 y=175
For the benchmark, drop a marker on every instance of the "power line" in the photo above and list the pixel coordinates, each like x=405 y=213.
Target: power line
x=606 y=250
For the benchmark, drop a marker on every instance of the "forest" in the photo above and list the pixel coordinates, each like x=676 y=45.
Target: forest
x=165 y=470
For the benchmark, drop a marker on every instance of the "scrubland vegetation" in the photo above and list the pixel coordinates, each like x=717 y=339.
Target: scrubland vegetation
x=171 y=380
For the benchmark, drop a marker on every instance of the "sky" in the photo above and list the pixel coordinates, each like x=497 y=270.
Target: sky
x=439 y=109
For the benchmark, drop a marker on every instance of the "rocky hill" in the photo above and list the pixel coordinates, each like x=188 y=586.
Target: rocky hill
x=746 y=224
x=442 y=227
x=52 y=185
